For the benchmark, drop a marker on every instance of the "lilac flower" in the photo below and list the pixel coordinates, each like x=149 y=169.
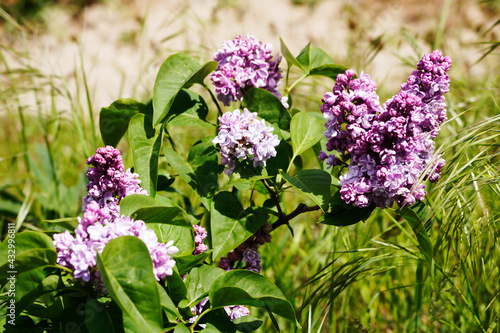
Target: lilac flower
x=236 y=311
x=252 y=259
x=390 y=147
x=242 y=137
x=62 y=243
x=245 y=63
x=108 y=180
x=199 y=236
x=101 y=222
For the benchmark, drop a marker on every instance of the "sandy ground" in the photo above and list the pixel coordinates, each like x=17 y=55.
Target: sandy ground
x=121 y=44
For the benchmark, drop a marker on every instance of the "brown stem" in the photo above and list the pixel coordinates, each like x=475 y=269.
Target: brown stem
x=301 y=208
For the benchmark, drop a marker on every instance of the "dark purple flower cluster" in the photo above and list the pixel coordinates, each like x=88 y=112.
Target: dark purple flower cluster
x=108 y=180
x=245 y=63
x=390 y=147
x=102 y=222
x=247 y=251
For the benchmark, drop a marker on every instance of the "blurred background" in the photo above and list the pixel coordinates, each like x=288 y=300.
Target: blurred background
x=61 y=61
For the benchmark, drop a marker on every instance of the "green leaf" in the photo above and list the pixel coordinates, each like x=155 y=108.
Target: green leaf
x=199 y=171
x=242 y=287
x=33 y=284
x=183 y=237
x=177 y=72
x=114 y=119
x=247 y=324
x=176 y=287
x=306 y=129
x=303 y=58
x=32 y=250
x=181 y=328
x=189 y=109
x=267 y=106
x=127 y=272
x=342 y=214
x=230 y=224
x=318 y=57
x=168 y=306
x=217 y=321
x=146 y=144
x=416 y=216
x=313 y=58
x=149 y=210
x=290 y=59
x=185 y=263
x=131 y=203
x=314 y=183
x=315 y=61
x=70 y=223
x=329 y=70
x=102 y=318
x=198 y=282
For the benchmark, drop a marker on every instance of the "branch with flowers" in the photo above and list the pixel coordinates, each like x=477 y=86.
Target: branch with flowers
x=151 y=261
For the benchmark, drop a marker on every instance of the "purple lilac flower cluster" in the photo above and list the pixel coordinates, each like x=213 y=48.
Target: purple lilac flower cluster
x=390 y=147
x=248 y=251
x=108 y=182
x=102 y=222
x=241 y=136
x=199 y=236
x=245 y=63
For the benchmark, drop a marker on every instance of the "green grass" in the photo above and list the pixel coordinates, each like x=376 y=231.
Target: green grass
x=363 y=278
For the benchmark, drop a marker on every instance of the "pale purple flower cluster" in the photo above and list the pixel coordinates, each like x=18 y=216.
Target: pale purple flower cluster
x=245 y=63
x=199 y=236
x=108 y=182
x=237 y=311
x=390 y=147
x=101 y=222
x=241 y=136
x=233 y=311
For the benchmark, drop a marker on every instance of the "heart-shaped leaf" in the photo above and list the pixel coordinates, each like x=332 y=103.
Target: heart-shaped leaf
x=114 y=119
x=267 y=106
x=177 y=72
x=314 y=183
x=182 y=237
x=127 y=271
x=198 y=282
x=230 y=224
x=189 y=109
x=306 y=129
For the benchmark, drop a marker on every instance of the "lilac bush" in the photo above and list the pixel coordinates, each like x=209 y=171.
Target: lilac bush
x=390 y=147
x=382 y=155
x=242 y=64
